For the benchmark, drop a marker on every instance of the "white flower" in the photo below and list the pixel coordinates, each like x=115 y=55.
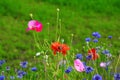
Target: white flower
x=38 y=54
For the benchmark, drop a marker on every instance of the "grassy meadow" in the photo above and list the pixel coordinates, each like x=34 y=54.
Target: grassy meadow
x=78 y=20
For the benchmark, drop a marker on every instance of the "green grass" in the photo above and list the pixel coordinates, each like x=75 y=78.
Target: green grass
x=79 y=17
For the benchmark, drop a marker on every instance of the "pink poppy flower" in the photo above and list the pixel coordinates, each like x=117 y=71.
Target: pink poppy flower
x=79 y=66
x=34 y=25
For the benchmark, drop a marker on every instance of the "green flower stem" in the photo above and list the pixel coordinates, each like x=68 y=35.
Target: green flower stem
x=57 y=23
x=35 y=39
x=117 y=64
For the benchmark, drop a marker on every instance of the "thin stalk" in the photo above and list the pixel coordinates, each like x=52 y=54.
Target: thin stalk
x=36 y=41
x=57 y=23
x=48 y=24
x=117 y=64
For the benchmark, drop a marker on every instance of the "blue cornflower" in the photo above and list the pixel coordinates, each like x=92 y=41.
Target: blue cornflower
x=117 y=76
x=2 y=62
x=8 y=68
x=21 y=74
x=89 y=57
x=88 y=69
x=79 y=56
x=68 y=70
x=109 y=37
x=12 y=78
x=24 y=64
x=106 y=52
x=96 y=34
x=95 y=40
x=2 y=77
x=87 y=39
x=97 y=77
x=34 y=69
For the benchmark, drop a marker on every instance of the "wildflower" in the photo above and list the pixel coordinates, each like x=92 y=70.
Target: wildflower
x=103 y=64
x=96 y=34
x=97 y=77
x=2 y=77
x=89 y=57
x=57 y=47
x=68 y=70
x=34 y=25
x=79 y=56
x=117 y=76
x=93 y=53
x=34 y=69
x=79 y=66
x=24 y=64
x=88 y=69
x=21 y=74
x=12 y=78
x=2 y=62
x=105 y=51
x=8 y=68
x=95 y=40
x=38 y=54
x=87 y=39
x=109 y=37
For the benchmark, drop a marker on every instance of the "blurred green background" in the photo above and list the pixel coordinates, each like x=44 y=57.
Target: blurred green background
x=79 y=17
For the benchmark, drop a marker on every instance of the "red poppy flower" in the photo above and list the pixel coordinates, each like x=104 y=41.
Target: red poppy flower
x=93 y=53
x=58 y=47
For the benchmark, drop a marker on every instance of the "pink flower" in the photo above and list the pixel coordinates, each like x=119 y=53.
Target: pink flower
x=34 y=25
x=103 y=64
x=79 y=66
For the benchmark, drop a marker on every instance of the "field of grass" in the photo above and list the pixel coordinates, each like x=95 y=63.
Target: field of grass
x=78 y=18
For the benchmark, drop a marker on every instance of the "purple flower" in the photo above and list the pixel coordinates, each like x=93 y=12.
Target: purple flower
x=79 y=56
x=106 y=52
x=12 y=78
x=34 y=69
x=89 y=57
x=109 y=37
x=87 y=39
x=88 y=69
x=2 y=62
x=24 y=64
x=95 y=40
x=2 y=77
x=68 y=70
x=8 y=68
x=21 y=74
x=96 y=34
x=97 y=77
x=117 y=76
